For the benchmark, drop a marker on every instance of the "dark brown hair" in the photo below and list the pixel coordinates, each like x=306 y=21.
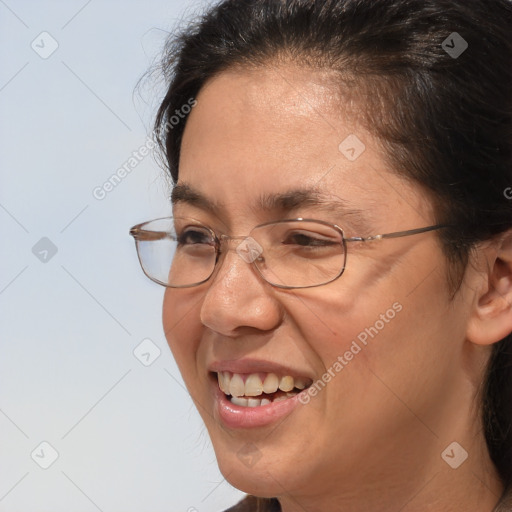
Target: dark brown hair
x=445 y=120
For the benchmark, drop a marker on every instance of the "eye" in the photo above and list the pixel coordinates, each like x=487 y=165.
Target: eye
x=308 y=239
x=193 y=235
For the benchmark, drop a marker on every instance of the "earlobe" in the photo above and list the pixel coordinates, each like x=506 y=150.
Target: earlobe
x=491 y=318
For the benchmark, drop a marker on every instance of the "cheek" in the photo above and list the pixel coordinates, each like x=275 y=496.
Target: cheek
x=382 y=341
x=342 y=323
x=180 y=319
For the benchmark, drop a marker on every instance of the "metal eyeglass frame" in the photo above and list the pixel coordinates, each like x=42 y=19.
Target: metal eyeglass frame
x=140 y=234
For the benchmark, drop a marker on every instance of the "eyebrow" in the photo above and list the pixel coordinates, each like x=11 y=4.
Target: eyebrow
x=282 y=203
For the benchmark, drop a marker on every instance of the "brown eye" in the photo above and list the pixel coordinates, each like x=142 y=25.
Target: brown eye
x=193 y=236
x=308 y=240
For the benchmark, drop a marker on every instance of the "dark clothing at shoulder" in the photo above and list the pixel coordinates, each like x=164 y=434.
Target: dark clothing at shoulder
x=252 y=504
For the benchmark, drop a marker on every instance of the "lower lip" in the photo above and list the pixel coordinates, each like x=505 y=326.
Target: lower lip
x=236 y=416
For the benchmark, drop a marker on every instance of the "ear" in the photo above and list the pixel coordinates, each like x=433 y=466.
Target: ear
x=491 y=317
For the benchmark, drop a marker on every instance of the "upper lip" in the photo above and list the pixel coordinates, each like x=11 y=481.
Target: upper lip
x=248 y=366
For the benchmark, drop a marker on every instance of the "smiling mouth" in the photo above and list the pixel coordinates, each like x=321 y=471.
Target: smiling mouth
x=258 y=389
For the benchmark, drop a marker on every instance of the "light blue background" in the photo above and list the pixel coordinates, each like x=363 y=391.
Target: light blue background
x=127 y=435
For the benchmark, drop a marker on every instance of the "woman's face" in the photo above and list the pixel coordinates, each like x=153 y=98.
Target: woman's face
x=384 y=338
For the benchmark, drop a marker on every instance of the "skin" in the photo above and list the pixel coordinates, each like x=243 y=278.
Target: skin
x=373 y=438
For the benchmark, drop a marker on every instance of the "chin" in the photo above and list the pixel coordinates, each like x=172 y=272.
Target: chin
x=256 y=480
x=262 y=472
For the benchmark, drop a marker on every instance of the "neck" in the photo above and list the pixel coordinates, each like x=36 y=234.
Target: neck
x=414 y=474
x=477 y=488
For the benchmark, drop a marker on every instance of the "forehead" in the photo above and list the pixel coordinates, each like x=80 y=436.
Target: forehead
x=259 y=111
x=260 y=132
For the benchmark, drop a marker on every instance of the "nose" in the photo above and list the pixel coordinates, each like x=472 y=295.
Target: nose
x=238 y=298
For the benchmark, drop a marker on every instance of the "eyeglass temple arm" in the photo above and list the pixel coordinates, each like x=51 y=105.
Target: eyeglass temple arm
x=148 y=236
x=396 y=234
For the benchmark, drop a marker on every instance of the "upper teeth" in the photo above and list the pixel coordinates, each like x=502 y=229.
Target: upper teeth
x=255 y=384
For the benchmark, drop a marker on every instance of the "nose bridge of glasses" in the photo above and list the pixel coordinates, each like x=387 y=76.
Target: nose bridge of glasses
x=245 y=246
x=228 y=238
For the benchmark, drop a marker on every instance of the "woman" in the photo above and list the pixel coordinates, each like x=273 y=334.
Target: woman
x=339 y=300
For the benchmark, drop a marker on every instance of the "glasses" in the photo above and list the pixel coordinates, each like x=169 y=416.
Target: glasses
x=293 y=253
